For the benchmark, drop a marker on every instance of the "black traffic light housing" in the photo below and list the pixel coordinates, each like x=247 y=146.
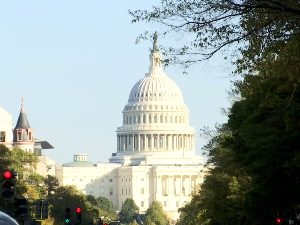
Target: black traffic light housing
x=38 y=209
x=8 y=182
x=21 y=207
x=78 y=214
x=67 y=215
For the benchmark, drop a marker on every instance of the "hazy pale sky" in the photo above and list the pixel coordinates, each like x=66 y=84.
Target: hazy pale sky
x=75 y=62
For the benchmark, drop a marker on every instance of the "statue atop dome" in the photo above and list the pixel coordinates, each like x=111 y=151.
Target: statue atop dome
x=155 y=46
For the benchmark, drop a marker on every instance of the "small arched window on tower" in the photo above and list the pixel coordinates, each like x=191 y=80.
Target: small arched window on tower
x=155 y=118
x=144 y=118
x=30 y=138
x=129 y=119
x=150 y=121
x=123 y=119
x=139 y=119
x=166 y=119
x=171 y=119
x=19 y=136
x=179 y=119
x=175 y=119
x=134 y=119
x=161 y=119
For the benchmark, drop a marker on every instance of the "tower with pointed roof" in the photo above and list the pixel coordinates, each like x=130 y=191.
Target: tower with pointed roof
x=23 y=133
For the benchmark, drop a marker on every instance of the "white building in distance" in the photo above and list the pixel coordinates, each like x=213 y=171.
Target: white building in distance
x=21 y=136
x=155 y=158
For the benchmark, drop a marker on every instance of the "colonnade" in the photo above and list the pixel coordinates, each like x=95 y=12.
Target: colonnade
x=178 y=185
x=155 y=142
x=161 y=118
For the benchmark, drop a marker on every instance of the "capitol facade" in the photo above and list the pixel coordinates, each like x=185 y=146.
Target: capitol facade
x=155 y=156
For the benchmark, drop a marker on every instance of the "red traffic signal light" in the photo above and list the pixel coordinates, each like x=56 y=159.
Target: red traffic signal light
x=78 y=210
x=7 y=174
x=278 y=220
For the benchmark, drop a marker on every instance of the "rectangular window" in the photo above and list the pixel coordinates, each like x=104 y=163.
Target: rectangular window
x=129 y=191
x=126 y=191
x=102 y=191
x=110 y=180
x=2 y=136
x=142 y=191
x=19 y=136
x=165 y=204
x=142 y=203
x=29 y=135
x=122 y=191
x=177 y=204
x=111 y=191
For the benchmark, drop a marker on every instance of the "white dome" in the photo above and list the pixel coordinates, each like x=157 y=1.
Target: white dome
x=155 y=88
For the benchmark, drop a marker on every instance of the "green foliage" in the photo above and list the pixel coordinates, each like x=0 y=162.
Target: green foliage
x=242 y=29
x=106 y=205
x=129 y=211
x=51 y=184
x=155 y=214
x=134 y=223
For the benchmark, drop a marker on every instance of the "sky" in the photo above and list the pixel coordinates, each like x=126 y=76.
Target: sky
x=75 y=62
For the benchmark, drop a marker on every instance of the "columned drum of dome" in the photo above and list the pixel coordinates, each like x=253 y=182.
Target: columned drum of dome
x=155 y=120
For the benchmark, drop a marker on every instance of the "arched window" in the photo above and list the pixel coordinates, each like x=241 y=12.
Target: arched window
x=155 y=144
x=179 y=119
x=155 y=118
x=175 y=119
x=129 y=119
x=144 y=118
x=134 y=119
x=171 y=119
x=166 y=119
x=139 y=119
x=150 y=118
x=123 y=119
x=161 y=119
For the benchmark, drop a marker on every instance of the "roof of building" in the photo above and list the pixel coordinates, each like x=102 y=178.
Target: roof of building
x=44 y=144
x=22 y=120
x=79 y=164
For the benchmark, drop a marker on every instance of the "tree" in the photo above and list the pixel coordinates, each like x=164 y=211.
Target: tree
x=51 y=184
x=134 y=223
x=220 y=198
x=156 y=214
x=247 y=28
x=129 y=211
x=106 y=205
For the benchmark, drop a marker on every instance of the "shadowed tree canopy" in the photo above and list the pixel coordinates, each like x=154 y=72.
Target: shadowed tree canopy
x=247 y=28
x=155 y=214
x=129 y=211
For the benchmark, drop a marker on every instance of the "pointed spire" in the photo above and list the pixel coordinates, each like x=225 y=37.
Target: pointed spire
x=155 y=68
x=22 y=109
x=22 y=120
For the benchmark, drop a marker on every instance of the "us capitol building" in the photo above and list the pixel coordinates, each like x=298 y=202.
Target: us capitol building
x=155 y=157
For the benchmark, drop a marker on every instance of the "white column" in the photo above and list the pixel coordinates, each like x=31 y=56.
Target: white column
x=139 y=142
x=123 y=139
x=132 y=147
x=146 y=142
x=152 y=142
x=118 y=144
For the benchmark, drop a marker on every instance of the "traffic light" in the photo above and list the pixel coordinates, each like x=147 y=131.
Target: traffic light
x=278 y=221
x=38 y=209
x=21 y=207
x=45 y=210
x=78 y=214
x=7 y=183
x=67 y=216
